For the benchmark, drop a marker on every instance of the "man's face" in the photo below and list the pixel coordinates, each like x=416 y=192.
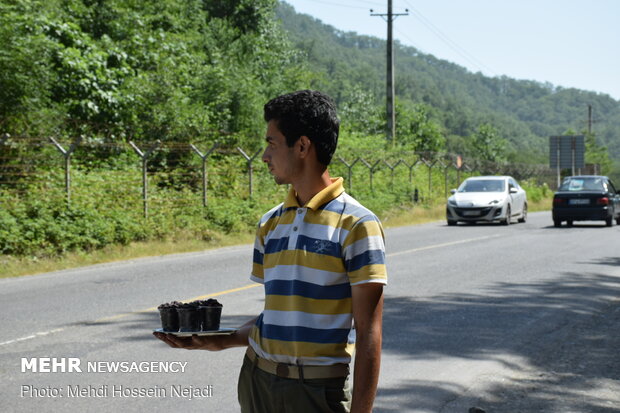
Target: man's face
x=278 y=156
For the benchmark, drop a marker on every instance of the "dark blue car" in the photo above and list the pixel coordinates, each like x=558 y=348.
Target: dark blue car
x=586 y=198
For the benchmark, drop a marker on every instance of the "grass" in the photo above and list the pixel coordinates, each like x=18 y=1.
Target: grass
x=14 y=267
x=542 y=205
x=413 y=216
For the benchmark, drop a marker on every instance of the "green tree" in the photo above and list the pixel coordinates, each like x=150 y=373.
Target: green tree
x=415 y=130
x=359 y=113
x=487 y=144
x=597 y=154
x=25 y=75
x=165 y=69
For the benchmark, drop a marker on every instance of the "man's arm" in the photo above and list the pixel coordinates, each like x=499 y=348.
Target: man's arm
x=211 y=343
x=367 y=301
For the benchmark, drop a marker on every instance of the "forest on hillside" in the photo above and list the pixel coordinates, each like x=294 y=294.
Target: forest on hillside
x=523 y=114
x=200 y=70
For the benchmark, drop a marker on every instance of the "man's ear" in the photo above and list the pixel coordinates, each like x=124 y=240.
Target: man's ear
x=304 y=146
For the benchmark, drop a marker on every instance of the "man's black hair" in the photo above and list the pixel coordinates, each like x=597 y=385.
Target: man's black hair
x=307 y=113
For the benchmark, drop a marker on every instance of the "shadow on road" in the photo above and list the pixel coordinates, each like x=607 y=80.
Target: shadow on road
x=613 y=261
x=559 y=339
x=580 y=225
x=138 y=327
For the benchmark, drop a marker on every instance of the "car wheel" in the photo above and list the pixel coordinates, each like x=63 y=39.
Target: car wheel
x=524 y=214
x=451 y=223
x=618 y=220
x=569 y=223
x=507 y=220
x=557 y=223
x=609 y=221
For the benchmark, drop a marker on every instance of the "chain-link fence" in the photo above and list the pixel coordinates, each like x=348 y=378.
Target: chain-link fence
x=212 y=169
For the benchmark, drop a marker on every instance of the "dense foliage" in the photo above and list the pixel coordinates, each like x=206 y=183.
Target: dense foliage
x=188 y=70
x=145 y=70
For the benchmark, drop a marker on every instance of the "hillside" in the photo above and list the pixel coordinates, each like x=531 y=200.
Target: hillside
x=524 y=112
x=200 y=71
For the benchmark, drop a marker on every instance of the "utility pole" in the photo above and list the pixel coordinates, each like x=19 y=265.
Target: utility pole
x=391 y=116
x=590 y=119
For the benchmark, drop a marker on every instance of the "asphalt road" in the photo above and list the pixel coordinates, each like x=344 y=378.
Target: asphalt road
x=524 y=318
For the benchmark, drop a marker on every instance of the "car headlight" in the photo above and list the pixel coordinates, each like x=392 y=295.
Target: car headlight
x=451 y=202
x=495 y=202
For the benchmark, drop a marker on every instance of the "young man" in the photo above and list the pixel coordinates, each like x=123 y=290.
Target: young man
x=321 y=258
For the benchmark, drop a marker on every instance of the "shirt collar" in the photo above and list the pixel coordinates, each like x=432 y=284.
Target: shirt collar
x=324 y=196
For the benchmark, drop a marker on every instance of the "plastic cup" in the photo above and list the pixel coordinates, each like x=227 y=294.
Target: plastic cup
x=169 y=319
x=189 y=319
x=210 y=318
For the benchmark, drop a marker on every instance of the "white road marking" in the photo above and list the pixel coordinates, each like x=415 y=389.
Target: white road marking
x=119 y=316
x=40 y=334
x=245 y=287
x=447 y=244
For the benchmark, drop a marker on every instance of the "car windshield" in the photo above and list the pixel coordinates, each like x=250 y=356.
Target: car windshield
x=582 y=184
x=482 y=185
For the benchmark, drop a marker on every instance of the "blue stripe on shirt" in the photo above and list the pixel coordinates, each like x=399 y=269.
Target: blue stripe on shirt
x=366 y=258
x=310 y=335
x=258 y=257
x=319 y=246
x=308 y=290
x=276 y=245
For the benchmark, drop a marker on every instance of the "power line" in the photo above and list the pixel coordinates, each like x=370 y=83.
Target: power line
x=414 y=44
x=449 y=42
x=471 y=59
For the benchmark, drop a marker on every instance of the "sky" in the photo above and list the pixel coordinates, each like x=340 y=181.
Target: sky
x=569 y=43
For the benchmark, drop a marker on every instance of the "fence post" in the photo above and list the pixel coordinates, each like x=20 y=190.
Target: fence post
x=430 y=175
x=349 y=168
x=466 y=168
x=67 y=156
x=445 y=178
x=410 y=167
x=144 y=156
x=371 y=169
x=250 y=160
x=391 y=171
x=204 y=169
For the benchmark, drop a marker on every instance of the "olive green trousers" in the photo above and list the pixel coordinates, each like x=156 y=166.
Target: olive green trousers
x=262 y=392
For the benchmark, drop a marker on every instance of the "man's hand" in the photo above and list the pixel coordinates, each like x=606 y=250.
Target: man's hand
x=211 y=343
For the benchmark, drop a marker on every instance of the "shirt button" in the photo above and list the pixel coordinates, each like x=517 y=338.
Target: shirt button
x=294 y=228
x=300 y=211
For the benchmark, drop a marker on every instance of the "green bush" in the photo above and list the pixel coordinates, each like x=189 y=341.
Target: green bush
x=536 y=192
x=106 y=207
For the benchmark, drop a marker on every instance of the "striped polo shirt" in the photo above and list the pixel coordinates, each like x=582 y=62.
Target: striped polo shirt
x=308 y=258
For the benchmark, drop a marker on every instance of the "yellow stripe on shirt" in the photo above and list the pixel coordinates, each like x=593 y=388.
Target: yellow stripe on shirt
x=308 y=305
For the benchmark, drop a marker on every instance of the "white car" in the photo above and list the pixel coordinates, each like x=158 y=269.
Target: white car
x=487 y=198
